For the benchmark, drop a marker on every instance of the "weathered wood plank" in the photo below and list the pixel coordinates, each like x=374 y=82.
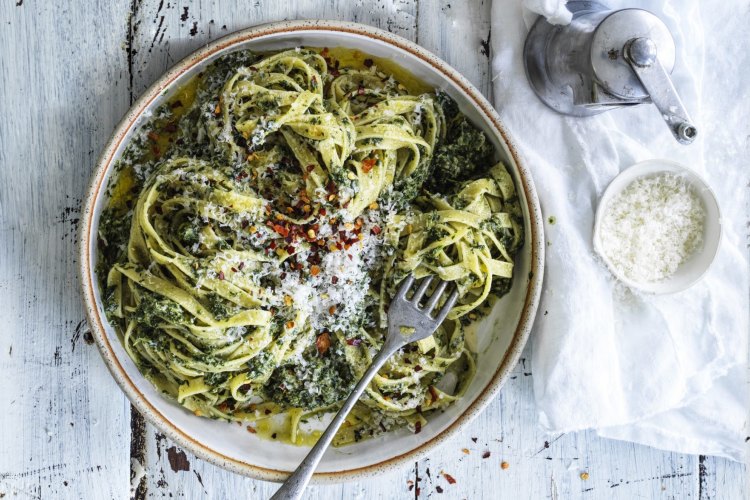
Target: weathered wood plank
x=65 y=80
x=458 y=31
x=721 y=479
x=62 y=89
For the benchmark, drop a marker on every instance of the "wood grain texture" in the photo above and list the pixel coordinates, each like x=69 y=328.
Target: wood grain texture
x=67 y=74
x=62 y=89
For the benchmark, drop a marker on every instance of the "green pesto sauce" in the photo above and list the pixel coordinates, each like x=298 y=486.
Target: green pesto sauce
x=322 y=381
x=178 y=128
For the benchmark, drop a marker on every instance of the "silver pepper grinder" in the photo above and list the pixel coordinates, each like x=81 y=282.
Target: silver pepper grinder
x=606 y=59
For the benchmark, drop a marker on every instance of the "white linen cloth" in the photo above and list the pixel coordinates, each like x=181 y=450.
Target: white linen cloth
x=666 y=371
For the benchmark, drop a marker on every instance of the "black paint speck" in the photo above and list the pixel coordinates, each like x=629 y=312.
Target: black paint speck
x=77 y=334
x=200 y=479
x=178 y=460
x=485 y=50
x=184 y=15
x=194 y=29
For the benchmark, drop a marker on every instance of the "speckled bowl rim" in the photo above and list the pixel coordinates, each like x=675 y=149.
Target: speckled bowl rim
x=96 y=189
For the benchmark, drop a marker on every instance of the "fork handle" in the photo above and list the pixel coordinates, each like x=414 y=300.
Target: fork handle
x=295 y=484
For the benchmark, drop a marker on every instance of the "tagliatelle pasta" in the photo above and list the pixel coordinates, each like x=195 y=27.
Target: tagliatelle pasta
x=258 y=229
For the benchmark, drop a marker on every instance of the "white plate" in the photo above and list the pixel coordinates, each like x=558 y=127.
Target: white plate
x=696 y=266
x=499 y=340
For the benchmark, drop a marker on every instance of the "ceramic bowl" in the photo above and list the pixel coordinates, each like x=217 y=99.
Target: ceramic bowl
x=498 y=340
x=690 y=271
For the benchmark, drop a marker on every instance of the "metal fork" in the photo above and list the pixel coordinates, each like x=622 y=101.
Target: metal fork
x=407 y=322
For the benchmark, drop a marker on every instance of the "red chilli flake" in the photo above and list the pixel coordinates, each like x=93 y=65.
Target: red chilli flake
x=221 y=275
x=323 y=211
x=241 y=266
x=323 y=342
x=449 y=478
x=486 y=454
x=310 y=168
x=281 y=230
x=334 y=279
x=368 y=164
x=375 y=230
x=433 y=394
x=360 y=90
x=417 y=427
x=353 y=342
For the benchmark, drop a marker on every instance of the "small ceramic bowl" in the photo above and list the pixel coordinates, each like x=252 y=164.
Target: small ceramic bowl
x=498 y=340
x=693 y=269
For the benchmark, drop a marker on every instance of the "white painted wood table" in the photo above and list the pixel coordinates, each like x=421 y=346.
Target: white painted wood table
x=68 y=72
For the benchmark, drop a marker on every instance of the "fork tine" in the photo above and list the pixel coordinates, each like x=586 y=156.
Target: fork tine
x=421 y=290
x=405 y=285
x=447 y=306
x=435 y=297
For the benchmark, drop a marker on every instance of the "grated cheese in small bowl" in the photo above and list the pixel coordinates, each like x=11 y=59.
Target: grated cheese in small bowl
x=657 y=227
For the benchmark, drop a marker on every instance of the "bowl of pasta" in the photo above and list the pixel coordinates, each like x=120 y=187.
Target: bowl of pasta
x=250 y=219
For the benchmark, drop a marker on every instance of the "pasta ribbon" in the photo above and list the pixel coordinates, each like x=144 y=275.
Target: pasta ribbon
x=249 y=266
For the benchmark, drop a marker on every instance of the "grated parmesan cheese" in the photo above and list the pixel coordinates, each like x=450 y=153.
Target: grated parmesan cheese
x=652 y=227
